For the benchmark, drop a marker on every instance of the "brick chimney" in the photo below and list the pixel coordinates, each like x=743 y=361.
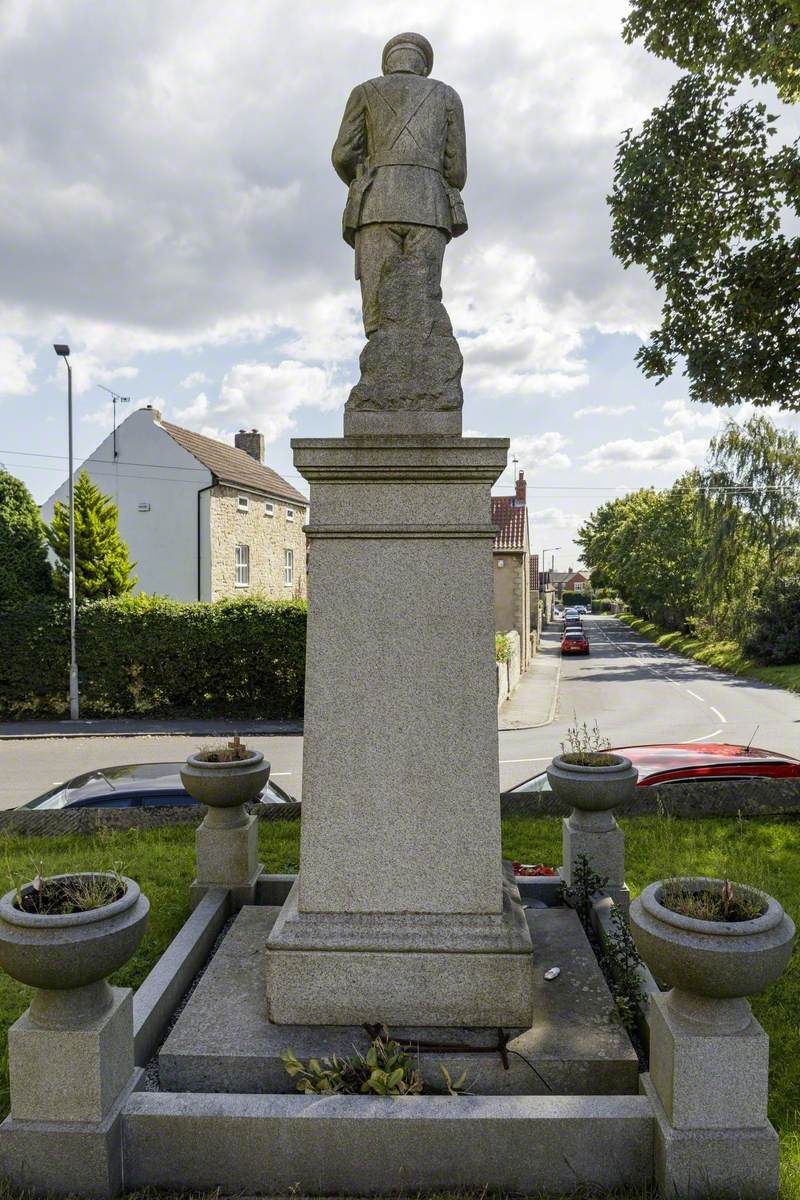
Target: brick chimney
x=522 y=489
x=252 y=442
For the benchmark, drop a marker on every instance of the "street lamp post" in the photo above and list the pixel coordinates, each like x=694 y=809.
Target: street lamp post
x=548 y=550
x=74 y=703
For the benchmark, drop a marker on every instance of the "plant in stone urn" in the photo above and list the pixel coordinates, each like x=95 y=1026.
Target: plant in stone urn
x=225 y=778
x=586 y=776
x=713 y=943
x=64 y=934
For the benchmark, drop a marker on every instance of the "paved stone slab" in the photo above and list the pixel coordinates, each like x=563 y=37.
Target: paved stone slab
x=224 y=1043
x=356 y=1145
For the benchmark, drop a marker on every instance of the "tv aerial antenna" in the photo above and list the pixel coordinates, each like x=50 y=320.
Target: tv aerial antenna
x=115 y=400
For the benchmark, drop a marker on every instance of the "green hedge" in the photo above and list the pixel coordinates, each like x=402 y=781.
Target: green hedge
x=146 y=656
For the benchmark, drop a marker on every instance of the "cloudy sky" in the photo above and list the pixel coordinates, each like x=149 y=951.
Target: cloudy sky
x=167 y=206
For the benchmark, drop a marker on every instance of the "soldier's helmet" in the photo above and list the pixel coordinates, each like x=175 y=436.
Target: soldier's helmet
x=409 y=39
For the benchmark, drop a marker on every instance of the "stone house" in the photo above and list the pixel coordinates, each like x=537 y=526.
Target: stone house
x=202 y=519
x=511 y=553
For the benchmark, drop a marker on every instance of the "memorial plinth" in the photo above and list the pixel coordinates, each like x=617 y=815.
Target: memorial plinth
x=401 y=912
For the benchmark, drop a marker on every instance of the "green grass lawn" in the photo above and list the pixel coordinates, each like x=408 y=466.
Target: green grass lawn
x=727 y=656
x=760 y=851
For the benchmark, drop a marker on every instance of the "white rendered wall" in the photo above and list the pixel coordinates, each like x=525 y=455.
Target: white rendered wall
x=152 y=468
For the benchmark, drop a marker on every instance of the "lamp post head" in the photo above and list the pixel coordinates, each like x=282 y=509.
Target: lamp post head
x=61 y=350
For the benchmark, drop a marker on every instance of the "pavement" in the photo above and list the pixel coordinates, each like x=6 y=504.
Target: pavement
x=144 y=727
x=533 y=703
x=637 y=692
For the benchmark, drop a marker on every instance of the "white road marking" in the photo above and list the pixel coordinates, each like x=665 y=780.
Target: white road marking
x=705 y=736
x=275 y=774
x=541 y=758
x=718 y=714
x=700 y=698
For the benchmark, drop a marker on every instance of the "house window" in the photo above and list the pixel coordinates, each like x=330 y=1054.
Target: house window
x=269 y=508
x=288 y=568
x=242 y=566
x=577 y=586
x=243 y=503
x=290 y=514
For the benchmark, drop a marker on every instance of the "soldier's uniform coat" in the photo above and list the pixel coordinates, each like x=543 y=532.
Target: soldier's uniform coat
x=402 y=150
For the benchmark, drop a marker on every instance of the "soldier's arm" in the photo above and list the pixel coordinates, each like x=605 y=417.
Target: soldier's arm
x=350 y=147
x=455 y=149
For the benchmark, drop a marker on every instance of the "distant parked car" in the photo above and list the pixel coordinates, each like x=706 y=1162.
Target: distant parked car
x=136 y=785
x=582 y=610
x=693 y=760
x=574 y=641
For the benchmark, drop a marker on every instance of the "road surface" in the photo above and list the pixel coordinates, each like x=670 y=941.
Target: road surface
x=639 y=693
x=636 y=692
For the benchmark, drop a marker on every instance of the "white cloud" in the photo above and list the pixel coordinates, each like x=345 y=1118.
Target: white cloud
x=555 y=518
x=513 y=344
x=670 y=452
x=130 y=245
x=606 y=410
x=194 y=379
x=198 y=410
x=537 y=450
x=265 y=396
x=16 y=368
x=687 y=415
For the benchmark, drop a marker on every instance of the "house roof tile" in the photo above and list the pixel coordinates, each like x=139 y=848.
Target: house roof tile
x=231 y=465
x=510 y=519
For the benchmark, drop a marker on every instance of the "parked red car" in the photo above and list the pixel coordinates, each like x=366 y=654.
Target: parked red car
x=694 y=760
x=574 y=641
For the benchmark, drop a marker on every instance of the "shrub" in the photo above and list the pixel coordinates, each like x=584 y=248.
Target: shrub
x=144 y=655
x=775 y=631
x=502 y=647
x=603 y=606
x=571 y=598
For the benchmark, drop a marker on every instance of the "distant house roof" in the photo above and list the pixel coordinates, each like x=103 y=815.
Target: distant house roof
x=510 y=517
x=579 y=576
x=234 y=466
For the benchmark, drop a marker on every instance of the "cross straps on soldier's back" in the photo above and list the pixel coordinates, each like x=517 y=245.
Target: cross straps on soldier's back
x=402 y=120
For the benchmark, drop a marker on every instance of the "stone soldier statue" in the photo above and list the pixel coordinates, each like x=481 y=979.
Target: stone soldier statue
x=402 y=151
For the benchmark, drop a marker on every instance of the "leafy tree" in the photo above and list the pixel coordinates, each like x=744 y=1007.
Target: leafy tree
x=647 y=545
x=102 y=565
x=751 y=490
x=750 y=511
x=723 y=38
x=24 y=568
x=702 y=201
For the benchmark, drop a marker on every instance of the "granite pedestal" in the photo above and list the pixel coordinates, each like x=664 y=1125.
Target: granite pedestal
x=400 y=912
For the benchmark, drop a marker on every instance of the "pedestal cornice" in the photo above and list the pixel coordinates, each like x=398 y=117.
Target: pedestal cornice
x=437 y=460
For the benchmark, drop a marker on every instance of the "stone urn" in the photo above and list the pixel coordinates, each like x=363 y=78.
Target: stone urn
x=67 y=957
x=225 y=787
x=712 y=965
x=593 y=789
